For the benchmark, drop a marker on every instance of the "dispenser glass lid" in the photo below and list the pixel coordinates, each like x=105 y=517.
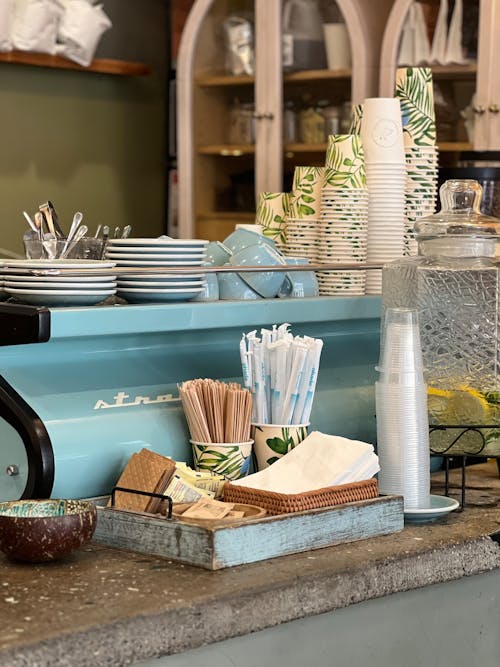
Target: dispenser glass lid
x=460 y=214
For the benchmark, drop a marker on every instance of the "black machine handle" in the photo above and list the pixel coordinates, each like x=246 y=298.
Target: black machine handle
x=142 y=493
x=21 y=324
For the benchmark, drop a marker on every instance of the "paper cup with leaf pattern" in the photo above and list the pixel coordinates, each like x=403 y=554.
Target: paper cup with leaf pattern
x=356 y=117
x=345 y=162
x=272 y=209
x=272 y=441
x=416 y=95
x=305 y=201
x=232 y=460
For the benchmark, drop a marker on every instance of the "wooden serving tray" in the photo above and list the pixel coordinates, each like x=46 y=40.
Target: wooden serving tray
x=223 y=544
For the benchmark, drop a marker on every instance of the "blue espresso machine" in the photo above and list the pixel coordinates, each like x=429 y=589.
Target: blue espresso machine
x=81 y=389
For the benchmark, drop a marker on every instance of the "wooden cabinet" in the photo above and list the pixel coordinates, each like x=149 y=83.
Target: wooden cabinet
x=479 y=77
x=208 y=164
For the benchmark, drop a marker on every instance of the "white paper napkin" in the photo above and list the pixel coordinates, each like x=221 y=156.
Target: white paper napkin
x=318 y=461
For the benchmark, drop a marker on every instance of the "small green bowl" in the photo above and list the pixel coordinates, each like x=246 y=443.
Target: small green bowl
x=37 y=531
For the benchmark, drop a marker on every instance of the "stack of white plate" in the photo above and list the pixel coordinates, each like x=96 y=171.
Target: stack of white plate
x=151 y=254
x=47 y=288
x=3 y=296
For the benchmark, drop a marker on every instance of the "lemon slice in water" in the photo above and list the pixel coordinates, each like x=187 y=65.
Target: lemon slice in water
x=463 y=405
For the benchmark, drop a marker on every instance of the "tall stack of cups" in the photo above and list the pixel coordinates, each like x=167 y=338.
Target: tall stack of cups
x=401 y=407
x=415 y=92
x=302 y=224
x=272 y=210
x=343 y=216
x=382 y=136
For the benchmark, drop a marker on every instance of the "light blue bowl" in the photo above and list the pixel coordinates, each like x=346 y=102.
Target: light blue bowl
x=218 y=254
x=300 y=283
x=243 y=238
x=265 y=283
x=210 y=290
x=233 y=288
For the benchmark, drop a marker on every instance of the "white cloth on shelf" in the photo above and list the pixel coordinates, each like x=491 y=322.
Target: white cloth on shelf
x=320 y=460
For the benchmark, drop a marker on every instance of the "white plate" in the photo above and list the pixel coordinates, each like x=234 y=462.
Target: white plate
x=165 y=263
x=64 y=298
x=60 y=279
x=162 y=285
x=438 y=506
x=159 y=296
x=75 y=286
x=159 y=257
x=59 y=264
x=163 y=277
x=157 y=242
x=156 y=250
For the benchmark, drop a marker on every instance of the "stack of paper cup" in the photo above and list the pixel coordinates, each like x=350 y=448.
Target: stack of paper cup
x=382 y=136
x=343 y=216
x=302 y=223
x=401 y=407
x=356 y=116
x=272 y=210
x=415 y=93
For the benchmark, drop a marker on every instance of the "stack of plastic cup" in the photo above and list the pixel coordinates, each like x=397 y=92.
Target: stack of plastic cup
x=401 y=406
x=382 y=136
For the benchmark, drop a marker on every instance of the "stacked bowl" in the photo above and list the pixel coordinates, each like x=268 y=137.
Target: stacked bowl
x=37 y=282
x=162 y=253
x=415 y=93
x=302 y=224
x=343 y=216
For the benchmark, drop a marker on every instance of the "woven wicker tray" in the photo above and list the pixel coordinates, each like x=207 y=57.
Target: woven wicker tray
x=284 y=503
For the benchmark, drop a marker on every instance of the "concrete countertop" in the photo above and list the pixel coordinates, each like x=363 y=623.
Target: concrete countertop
x=103 y=606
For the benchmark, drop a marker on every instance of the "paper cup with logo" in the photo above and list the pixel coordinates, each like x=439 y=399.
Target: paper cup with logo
x=272 y=441
x=345 y=162
x=231 y=459
x=415 y=92
x=305 y=201
x=382 y=131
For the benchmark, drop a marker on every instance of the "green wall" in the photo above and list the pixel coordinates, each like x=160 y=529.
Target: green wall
x=87 y=141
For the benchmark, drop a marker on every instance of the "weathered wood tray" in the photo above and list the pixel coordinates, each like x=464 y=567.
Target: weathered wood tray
x=221 y=544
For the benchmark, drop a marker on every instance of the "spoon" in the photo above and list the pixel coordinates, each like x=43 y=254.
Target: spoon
x=30 y=222
x=79 y=234
x=77 y=218
x=105 y=237
x=126 y=231
x=98 y=231
x=116 y=234
x=39 y=224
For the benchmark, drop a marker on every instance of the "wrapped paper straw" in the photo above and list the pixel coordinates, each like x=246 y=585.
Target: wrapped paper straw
x=282 y=374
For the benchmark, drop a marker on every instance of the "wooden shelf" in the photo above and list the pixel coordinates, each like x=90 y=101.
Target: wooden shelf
x=230 y=150
x=227 y=150
x=455 y=146
x=304 y=148
x=467 y=71
x=310 y=76
x=221 y=80
x=305 y=76
x=99 y=65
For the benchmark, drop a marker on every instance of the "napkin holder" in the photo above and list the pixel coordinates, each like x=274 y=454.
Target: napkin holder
x=286 y=503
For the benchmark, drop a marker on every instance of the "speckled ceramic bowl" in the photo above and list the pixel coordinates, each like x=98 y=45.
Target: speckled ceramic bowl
x=43 y=530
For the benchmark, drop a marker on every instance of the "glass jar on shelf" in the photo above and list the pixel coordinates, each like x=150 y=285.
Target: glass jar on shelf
x=332 y=115
x=289 y=123
x=241 y=123
x=312 y=125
